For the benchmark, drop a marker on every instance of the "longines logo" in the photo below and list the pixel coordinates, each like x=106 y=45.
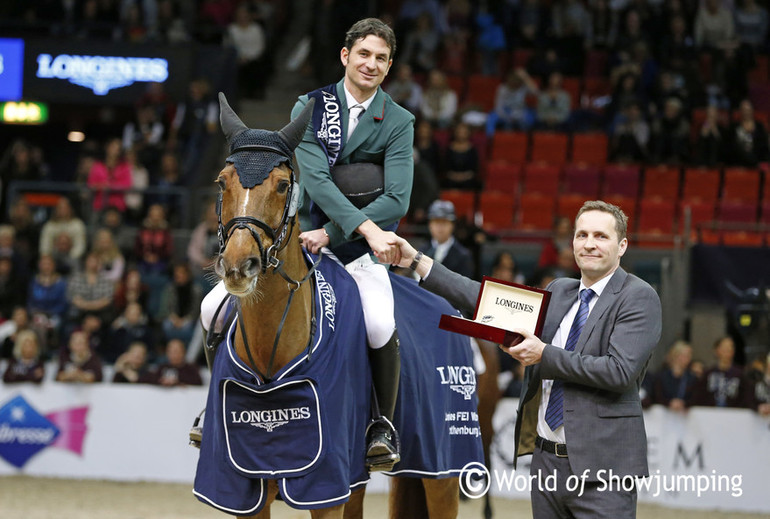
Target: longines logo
x=330 y=131
x=328 y=297
x=461 y=379
x=101 y=73
x=270 y=419
x=514 y=306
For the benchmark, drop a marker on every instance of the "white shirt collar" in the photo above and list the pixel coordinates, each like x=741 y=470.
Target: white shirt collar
x=352 y=100
x=599 y=286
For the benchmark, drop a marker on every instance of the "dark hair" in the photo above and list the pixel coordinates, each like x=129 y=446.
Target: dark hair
x=621 y=220
x=363 y=28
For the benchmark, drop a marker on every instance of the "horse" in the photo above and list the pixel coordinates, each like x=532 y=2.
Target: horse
x=287 y=303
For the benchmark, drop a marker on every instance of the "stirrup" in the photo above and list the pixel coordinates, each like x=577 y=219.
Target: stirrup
x=383 y=455
x=196 y=431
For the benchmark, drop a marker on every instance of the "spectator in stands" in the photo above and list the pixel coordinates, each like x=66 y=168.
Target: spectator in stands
x=78 y=363
x=751 y=25
x=627 y=89
x=461 y=161
x=13 y=288
x=747 y=143
x=18 y=321
x=411 y=10
x=599 y=24
x=439 y=101
x=98 y=21
x=714 y=26
x=404 y=89
x=421 y=45
x=154 y=243
x=145 y=135
x=710 y=143
x=140 y=180
x=670 y=141
x=758 y=386
x=668 y=85
x=554 y=105
x=130 y=326
x=110 y=177
x=248 y=39
x=426 y=145
x=675 y=382
x=543 y=63
x=47 y=300
x=721 y=385
x=176 y=371
x=131 y=367
x=561 y=238
x=110 y=258
x=627 y=32
x=123 y=234
x=180 y=305
x=511 y=111
x=504 y=267
x=443 y=247
x=20 y=162
x=196 y=119
x=732 y=76
x=131 y=290
x=26 y=365
x=490 y=42
x=158 y=99
x=677 y=45
x=570 y=21
x=530 y=23
x=171 y=27
x=62 y=254
x=204 y=247
x=168 y=182
x=425 y=186
x=26 y=230
x=630 y=136
x=64 y=220
x=90 y=292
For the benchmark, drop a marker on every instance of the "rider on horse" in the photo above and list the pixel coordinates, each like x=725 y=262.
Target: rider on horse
x=343 y=198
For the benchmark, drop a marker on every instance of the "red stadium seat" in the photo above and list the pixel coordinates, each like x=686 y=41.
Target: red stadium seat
x=700 y=213
x=656 y=216
x=502 y=176
x=464 y=202
x=596 y=63
x=541 y=177
x=741 y=184
x=736 y=211
x=510 y=146
x=701 y=184
x=764 y=216
x=481 y=91
x=521 y=57
x=567 y=205
x=627 y=204
x=742 y=239
x=590 y=148
x=582 y=179
x=661 y=182
x=536 y=212
x=621 y=180
x=497 y=210
x=549 y=147
x=759 y=74
x=572 y=85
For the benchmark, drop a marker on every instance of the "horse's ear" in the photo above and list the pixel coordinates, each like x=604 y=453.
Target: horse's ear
x=231 y=123
x=292 y=133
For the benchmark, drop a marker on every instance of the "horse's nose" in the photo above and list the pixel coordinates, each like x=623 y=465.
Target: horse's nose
x=246 y=268
x=250 y=266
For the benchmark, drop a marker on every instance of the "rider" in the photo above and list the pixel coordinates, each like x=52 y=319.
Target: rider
x=354 y=122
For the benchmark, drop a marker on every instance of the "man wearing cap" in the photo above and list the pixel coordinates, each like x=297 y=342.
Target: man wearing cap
x=444 y=248
x=356 y=123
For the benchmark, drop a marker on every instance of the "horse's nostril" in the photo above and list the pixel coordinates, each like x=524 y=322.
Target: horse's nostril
x=219 y=266
x=251 y=266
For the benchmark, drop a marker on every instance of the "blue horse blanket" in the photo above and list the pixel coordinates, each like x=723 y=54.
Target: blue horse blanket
x=306 y=427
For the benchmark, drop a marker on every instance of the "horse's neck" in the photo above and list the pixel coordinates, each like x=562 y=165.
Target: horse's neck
x=262 y=317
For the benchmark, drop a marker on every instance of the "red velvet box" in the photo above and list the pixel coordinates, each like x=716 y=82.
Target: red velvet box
x=501 y=307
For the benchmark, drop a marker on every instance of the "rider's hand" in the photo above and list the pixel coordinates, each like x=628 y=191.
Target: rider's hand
x=407 y=252
x=314 y=240
x=383 y=244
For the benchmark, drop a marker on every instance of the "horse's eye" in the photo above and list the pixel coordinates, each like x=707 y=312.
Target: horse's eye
x=283 y=186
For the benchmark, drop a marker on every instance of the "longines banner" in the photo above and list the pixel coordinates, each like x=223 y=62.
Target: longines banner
x=102 y=72
x=705 y=459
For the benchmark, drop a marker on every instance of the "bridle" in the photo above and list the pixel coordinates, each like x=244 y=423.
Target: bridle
x=269 y=255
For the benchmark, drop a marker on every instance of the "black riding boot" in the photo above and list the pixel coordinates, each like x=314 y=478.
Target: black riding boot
x=383 y=445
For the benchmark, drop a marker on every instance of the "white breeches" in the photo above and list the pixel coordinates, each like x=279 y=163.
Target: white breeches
x=376 y=299
x=209 y=307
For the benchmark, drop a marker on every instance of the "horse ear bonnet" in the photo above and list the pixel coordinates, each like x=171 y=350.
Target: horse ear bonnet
x=255 y=153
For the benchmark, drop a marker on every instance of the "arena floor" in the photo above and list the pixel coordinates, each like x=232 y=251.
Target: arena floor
x=23 y=497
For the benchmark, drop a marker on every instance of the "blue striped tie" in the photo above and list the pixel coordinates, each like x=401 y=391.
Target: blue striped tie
x=554 y=413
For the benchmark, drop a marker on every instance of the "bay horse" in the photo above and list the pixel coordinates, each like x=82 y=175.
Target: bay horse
x=287 y=304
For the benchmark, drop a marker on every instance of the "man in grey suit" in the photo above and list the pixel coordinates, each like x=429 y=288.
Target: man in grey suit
x=579 y=413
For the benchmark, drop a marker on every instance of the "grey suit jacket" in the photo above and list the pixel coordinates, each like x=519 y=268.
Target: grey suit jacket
x=603 y=421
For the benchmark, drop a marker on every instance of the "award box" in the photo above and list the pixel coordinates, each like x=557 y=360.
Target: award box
x=501 y=307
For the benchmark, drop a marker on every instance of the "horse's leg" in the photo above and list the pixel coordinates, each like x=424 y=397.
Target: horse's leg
x=354 y=508
x=489 y=395
x=442 y=497
x=334 y=512
x=272 y=491
x=407 y=499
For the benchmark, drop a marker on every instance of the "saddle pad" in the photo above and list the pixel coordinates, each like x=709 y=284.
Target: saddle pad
x=274 y=430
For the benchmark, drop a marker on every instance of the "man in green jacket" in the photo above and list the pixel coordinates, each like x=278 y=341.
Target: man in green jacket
x=356 y=122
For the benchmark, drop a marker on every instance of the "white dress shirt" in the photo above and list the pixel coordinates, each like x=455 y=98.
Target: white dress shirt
x=355 y=109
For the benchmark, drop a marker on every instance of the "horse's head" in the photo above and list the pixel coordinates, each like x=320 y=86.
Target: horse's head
x=257 y=200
